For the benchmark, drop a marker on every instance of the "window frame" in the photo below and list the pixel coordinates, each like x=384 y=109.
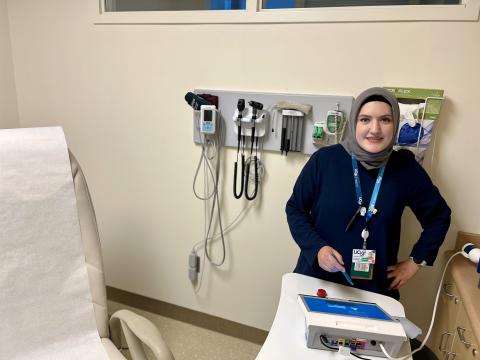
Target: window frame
x=467 y=11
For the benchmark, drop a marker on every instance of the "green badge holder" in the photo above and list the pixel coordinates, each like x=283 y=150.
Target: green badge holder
x=365 y=275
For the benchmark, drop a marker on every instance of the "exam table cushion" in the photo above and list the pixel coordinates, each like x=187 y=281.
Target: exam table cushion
x=92 y=250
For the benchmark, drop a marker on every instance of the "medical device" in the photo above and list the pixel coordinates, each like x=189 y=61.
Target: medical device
x=292 y=131
x=329 y=131
x=318 y=130
x=240 y=139
x=318 y=320
x=315 y=108
x=359 y=326
x=208 y=119
x=335 y=121
x=471 y=252
x=250 y=122
x=255 y=107
x=193 y=266
x=292 y=109
x=195 y=101
x=209 y=124
x=210 y=133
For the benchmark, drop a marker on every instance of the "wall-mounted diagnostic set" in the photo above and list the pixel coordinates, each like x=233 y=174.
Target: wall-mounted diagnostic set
x=254 y=122
x=285 y=123
x=251 y=123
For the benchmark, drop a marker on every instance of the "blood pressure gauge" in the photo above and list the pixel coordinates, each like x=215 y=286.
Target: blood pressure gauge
x=208 y=119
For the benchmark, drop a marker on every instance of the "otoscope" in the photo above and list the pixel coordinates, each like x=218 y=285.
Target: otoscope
x=255 y=107
x=240 y=108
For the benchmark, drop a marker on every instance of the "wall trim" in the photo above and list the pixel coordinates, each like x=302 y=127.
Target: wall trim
x=189 y=316
x=468 y=10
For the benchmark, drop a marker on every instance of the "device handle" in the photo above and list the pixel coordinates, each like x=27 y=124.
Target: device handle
x=239 y=135
x=466 y=343
x=461 y=336
x=445 y=290
x=447 y=355
x=252 y=138
x=441 y=347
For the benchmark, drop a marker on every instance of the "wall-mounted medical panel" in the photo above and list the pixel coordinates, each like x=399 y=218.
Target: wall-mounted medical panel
x=285 y=123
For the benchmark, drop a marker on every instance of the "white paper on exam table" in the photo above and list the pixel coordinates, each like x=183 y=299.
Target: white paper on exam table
x=46 y=309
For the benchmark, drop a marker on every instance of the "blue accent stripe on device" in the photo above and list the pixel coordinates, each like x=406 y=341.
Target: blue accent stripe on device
x=347 y=308
x=469 y=248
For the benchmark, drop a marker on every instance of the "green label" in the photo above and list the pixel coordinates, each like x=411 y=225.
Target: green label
x=361 y=271
x=416 y=96
x=414 y=93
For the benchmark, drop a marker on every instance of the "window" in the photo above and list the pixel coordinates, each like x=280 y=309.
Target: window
x=282 y=11
x=284 y=4
x=173 y=5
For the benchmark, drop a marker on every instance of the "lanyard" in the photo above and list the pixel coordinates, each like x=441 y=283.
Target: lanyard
x=358 y=189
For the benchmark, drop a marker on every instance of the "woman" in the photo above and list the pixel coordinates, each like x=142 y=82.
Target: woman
x=346 y=207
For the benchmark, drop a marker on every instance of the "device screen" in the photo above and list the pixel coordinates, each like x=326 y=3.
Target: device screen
x=207 y=115
x=347 y=308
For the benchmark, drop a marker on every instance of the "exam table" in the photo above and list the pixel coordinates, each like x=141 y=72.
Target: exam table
x=137 y=329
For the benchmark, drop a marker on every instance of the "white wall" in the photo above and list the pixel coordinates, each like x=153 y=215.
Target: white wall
x=8 y=98
x=118 y=92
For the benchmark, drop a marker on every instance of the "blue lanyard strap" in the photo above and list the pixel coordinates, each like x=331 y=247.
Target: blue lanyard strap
x=358 y=189
x=356 y=177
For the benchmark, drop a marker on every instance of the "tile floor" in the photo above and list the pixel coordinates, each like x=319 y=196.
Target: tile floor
x=189 y=342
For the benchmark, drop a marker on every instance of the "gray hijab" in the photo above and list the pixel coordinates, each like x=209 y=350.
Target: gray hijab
x=367 y=159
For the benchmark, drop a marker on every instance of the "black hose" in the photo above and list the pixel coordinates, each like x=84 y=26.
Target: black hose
x=247 y=175
x=238 y=195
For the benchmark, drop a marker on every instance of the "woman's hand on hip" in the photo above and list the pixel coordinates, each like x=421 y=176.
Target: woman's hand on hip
x=330 y=259
x=401 y=273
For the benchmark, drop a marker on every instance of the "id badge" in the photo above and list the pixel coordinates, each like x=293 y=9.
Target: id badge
x=363 y=262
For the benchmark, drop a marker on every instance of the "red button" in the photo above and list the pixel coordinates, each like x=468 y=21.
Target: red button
x=322 y=293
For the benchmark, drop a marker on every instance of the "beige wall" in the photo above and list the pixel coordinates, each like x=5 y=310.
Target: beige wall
x=118 y=92
x=8 y=99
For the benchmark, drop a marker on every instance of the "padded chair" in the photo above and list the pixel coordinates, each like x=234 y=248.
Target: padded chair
x=138 y=331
